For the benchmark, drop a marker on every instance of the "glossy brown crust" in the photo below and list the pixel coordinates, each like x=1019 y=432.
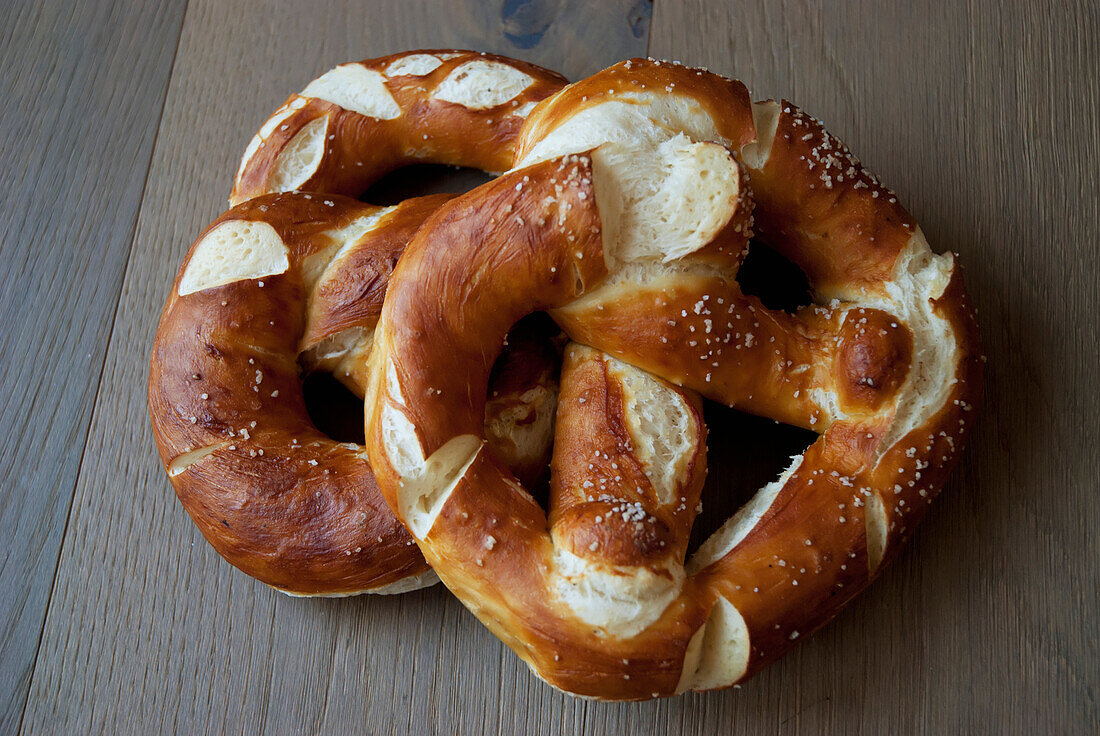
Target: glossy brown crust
x=287 y=505
x=490 y=543
x=820 y=208
x=360 y=149
x=808 y=554
x=275 y=497
x=598 y=481
x=786 y=588
x=725 y=100
x=478 y=282
x=350 y=292
x=732 y=349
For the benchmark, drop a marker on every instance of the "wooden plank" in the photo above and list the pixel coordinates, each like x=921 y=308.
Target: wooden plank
x=148 y=630
x=980 y=627
x=983 y=116
x=83 y=88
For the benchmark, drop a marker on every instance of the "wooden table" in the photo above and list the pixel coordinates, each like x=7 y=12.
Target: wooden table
x=121 y=126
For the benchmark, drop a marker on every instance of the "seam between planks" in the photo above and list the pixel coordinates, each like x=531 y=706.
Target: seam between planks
x=102 y=366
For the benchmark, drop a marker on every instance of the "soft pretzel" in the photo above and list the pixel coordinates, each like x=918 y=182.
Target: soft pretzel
x=361 y=120
x=296 y=282
x=628 y=221
x=275 y=285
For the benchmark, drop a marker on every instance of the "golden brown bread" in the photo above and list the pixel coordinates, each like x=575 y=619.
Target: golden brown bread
x=274 y=496
x=626 y=218
x=284 y=284
x=363 y=119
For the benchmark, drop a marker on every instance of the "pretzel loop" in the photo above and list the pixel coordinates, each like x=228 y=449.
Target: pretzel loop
x=361 y=120
x=627 y=221
x=289 y=283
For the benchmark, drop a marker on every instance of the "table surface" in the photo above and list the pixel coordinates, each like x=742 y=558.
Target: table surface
x=121 y=130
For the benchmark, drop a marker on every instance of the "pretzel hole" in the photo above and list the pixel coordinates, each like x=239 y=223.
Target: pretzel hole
x=519 y=413
x=332 y=408
x=418 y=180
x=521 y=402
x=745 y=453
x=338 y=413
x=773 y=278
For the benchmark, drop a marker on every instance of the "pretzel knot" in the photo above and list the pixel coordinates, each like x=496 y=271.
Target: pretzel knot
x=626 y=219
x=289 y=283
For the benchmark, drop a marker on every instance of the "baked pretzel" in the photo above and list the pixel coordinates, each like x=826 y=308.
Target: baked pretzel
x=279 y=285
x=361 y=120
x=627 y=222
x=276 y=285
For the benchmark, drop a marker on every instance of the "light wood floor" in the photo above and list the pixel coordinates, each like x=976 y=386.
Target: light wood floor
x=120 y=128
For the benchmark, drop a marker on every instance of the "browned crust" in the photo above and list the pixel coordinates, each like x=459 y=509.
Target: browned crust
x=819 y=207
x=808 y=555
x=467 y=289
x=277 y=498
x=506 y=588
x=351 y=294
x=781 y=603
x=597 y=478
x=727 y=100
x=287 y=505
x=361 y=149
x=503 y=579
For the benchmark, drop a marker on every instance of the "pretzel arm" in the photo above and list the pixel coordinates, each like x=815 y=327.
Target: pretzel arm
x=275 y=285
x=620 y=243
x=361 y=120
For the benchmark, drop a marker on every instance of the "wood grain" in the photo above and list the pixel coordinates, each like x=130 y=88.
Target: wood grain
x=984 y=118
x=149 y=631
x=83 y=88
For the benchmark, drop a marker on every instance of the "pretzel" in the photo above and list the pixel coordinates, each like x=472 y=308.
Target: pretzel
x=275 y=285
x=627 y=222
x=284 y=283
x=361 y=120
